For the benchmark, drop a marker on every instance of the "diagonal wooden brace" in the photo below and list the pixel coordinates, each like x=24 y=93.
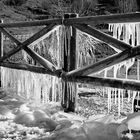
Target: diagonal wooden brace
x=33 y=54
x=103 y=37
x=25 y=43
x=110 y=61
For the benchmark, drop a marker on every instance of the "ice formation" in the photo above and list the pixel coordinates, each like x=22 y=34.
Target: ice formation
x=40 y=88
x=128 y=33
x=44 y=88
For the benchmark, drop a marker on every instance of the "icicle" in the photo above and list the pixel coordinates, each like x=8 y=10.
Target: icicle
x=133 y=97
x=122 y=95
x=128 y=99
x=109 y=99
x=115 y=96
x=37 y=87
x=119 y=102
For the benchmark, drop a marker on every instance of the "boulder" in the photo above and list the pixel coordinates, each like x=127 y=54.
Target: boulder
x=25 y=118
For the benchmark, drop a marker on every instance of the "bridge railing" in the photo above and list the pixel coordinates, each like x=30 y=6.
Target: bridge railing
x=69 y=73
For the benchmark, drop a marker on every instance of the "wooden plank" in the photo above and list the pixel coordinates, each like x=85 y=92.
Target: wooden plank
x=72 y=65
x=1 y=49
x=48 y=65
x=1 y=42
x=31 y=23
x=105 y=82
x=110 y=61
x=27 y=67
x=103 y=37
x=69 y=94
x=116 y=18
x=25 y=43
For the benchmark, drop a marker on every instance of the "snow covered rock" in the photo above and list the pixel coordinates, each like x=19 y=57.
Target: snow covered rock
x=132 y=122
x=25 y=118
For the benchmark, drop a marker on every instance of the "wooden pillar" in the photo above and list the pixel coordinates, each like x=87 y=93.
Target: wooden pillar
x=1 y=48
x=70 y=90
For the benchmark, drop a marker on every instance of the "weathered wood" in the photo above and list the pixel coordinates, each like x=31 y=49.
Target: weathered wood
x=27 y=67
x=32 y=53
x=1 y=49
x=48 y=65
x=69 y=100
x=110 y=61
x=105 y=82
x=25 y=43
x=103 y=37
x=5 y=32
x=72 y=66
x=31 y=23
x=116 y=18
x=1 y=42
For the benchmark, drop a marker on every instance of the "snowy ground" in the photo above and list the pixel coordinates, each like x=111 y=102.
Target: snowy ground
x=22 y=121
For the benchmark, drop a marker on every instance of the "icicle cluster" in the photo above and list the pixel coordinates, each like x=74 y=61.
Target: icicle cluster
x=85 y=49
x=129 y=33
x=70 y=93
x=39 y=88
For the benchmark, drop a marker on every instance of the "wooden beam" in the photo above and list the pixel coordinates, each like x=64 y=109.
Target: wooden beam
x=69 y=94
x=48 y=65
x=110 y=61
x=27 y=67
x=31 y=23
x=33 y=54
x=25 y=43
x=1 y=49
x=103 y=37
x=105 y=82
x=1 y=42
x=116 y=18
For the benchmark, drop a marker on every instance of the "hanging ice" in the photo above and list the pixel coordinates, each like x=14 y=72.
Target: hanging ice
x=128 y=33
x=39 y=88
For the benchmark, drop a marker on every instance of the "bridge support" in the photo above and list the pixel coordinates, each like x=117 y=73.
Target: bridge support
x=70 y=90
x=1 y=48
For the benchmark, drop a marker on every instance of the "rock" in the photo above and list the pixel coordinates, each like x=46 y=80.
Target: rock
x=48 y=124
x=71 y=116
x=40 y=115
x=64 y=123
x=69 y=134
x=25 y=118
x=4 y=110
x=102 y=118
x=100 y=131
x=57 y=116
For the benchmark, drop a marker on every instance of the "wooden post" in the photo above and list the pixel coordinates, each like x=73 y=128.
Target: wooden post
x=1 y=48
x=69 y=101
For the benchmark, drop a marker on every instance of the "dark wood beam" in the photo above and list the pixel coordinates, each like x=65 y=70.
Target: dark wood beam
x=27 y=67
x=48 y=65
x=105 y=82
x=32 y=53
x=110 y=61
x=114 y=18
x=103 y=37
x=1 y=42
x=25 y=43
x=31 y=23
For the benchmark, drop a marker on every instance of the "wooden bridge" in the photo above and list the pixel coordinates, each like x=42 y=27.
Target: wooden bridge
x=69 y=73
